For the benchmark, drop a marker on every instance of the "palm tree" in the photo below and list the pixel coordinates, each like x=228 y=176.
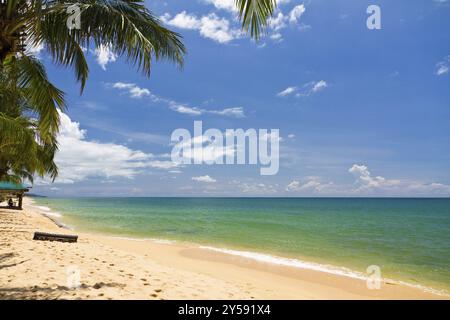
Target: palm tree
x=27 y=143
x=126 y=27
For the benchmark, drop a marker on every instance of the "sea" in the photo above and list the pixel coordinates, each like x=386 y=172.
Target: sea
x=408 y=240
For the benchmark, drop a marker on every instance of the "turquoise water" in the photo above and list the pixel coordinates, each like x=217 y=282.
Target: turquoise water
x=408 y=238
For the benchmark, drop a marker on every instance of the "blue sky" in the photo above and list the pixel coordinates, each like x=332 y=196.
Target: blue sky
x=360 y=112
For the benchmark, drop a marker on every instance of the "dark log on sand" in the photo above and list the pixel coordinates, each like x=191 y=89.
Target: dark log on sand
x=55 y=237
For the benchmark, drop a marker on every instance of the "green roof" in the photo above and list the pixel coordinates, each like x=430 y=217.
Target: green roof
x=11 y=186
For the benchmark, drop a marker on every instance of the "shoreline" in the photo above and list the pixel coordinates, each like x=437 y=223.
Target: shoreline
x=214 y=273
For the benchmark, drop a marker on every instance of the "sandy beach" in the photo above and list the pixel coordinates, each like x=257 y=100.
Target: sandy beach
x=115 y=268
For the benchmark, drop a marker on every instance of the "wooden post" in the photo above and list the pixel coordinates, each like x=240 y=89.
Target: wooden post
x=20 y=202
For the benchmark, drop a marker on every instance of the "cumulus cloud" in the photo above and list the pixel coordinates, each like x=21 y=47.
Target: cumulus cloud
x=296 y=13
x=79 y=159
x=367 y=183
x=205 y=179
x=104 y=55
x=280 y=21
x=223 y=30
x=135 y=91
x=366 y=179
x=228 y=5
x=209 y=26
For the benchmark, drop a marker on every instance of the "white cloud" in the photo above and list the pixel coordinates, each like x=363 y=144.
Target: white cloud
x=237 y=112
x=138 y=92
x=291 y=136
x=287 y=91
x=133 y=90
x=443 y=66
x=193 y=111
x=368 y=184
x=294 y=185
x=230 y=5
x=276 y=36
x=201 y=148
x=205 y=179
x=312 y=88
x=79 y=159
x=222 y=30
x=278 y=21
x=104 y=56
x=257 y=188
x=319 y=85
x=307 y=89
x=312 y=184
x=209 y=26
x=368 y=181
x=296 y=13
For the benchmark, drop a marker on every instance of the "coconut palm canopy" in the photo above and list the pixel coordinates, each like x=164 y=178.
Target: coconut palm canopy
x=29 y=118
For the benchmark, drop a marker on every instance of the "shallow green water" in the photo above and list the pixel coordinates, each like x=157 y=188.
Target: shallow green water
x=408 y=238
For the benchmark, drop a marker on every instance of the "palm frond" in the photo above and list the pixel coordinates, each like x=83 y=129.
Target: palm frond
x=254 y=15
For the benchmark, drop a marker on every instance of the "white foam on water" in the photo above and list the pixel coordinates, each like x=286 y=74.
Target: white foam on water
x=42 y=208
x=47 y=211
x=288 y=262
x=162 y=241
x=53 y=214
x=295 y=263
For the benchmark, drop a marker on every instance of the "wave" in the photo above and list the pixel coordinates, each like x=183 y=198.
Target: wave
x=161 y=241
x=288 y=262
x=47 y=211
x=296 y=263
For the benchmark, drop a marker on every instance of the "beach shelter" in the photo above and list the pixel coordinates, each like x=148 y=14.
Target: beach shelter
x=12 y=191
